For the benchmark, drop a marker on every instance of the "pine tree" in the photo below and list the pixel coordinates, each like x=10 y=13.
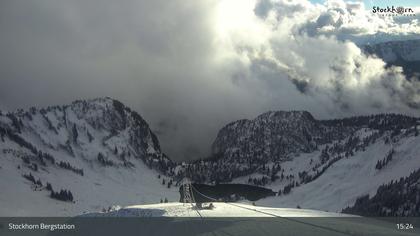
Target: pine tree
x=75 y=133
x=378 y=165
x=30 y=177
x=90 y=137
x=34 y=166
x=101 y=158
x=70 y=196
x=49 y=187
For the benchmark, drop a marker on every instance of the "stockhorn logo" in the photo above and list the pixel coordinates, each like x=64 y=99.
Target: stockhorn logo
x=394 y=11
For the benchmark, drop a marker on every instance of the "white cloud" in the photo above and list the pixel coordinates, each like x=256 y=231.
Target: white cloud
x=300 y=45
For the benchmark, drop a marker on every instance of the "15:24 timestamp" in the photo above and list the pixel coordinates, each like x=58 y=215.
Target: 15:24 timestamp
x=405 y=226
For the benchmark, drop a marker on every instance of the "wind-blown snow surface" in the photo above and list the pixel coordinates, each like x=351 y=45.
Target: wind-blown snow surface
x=349 y=178
x=236 y=219
x=220 y=210
x=76 y=134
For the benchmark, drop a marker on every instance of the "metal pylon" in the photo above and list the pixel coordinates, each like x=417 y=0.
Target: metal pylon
x=187 y=192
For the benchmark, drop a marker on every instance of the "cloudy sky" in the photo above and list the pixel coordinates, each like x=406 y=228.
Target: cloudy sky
x=189 y=67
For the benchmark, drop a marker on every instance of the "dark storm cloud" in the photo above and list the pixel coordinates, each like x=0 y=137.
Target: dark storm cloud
x=149 y=54
x=155 y=56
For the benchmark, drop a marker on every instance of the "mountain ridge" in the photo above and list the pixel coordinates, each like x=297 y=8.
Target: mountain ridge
x=403 y=53
x=88 y=149
x=90 y=154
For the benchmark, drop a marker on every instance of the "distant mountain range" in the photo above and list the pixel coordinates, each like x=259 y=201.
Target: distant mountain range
x=92 y=154
x=399 y=53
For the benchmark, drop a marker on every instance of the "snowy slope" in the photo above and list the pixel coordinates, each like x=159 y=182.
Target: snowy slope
x=233 y=219
x=76 y=135
x=330 y=176
x=220 y=210
x=347 y=179
x=236 y=219
x=94 y=191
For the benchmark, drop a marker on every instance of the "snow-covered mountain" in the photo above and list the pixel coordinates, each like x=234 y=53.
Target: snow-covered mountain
x=98 y=152
x=273 y=136
x=404 y=53
x=408 y=50
x=245 y=146
x=93 y=154
x=318 y=164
